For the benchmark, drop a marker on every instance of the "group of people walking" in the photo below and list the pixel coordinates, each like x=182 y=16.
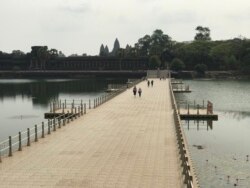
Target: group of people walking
x=140 y=90
x=135 y=91
x=152 y=83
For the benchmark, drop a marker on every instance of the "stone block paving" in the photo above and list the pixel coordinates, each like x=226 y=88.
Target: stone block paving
x=127 y=142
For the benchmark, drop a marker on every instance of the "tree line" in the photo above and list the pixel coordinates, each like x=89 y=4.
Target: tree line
x=201 y=54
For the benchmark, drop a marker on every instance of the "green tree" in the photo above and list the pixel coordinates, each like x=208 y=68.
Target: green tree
x=231 y=62
x=203 y=33
x=201 y=68
x=177 y=64
x=197 y=52
x=17 y=53
x=158 y=44
x=53 y=53
x=220 y=54
x=143 y=45
x=154 y=62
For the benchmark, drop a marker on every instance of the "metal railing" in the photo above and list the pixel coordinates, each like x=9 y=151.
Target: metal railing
x=27 y=137
x=77 y=109
x=188 y=177
x=195 y=108
x=181 y=87
x=68 y=104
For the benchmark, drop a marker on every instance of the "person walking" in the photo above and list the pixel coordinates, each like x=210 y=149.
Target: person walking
x=134 y=91
x=139 y=91
x=152 y=83
x=148 y=83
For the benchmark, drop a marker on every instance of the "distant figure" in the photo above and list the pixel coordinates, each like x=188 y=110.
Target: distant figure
x=134 y=90
x=152 y=83
x=139 y=91
x=148 y=83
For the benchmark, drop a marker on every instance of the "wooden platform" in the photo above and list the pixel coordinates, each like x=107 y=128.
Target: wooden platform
x=194 y=115
x=176 y=82
x=199 y=117
x=181 y=91
x=59 y=112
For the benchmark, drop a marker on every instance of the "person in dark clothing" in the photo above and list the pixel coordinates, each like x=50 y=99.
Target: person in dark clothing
x=152 y=83
x=148 y=83
x=134 y=90
x=139 y=91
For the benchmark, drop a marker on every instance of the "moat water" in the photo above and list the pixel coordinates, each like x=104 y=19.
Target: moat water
x=224 y=160
x=23 y=102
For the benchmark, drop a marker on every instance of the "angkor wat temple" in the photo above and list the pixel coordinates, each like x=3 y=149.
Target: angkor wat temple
x=42 y=59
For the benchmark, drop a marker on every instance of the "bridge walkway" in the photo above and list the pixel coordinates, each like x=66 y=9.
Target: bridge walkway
x=126 y=142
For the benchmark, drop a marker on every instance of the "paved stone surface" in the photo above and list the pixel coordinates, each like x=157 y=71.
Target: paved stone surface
x=126 y=142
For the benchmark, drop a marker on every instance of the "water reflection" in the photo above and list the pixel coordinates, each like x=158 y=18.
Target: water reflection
x=43 y=91
x=220 y=151
x=238 y=115
x=198 y=125
x=23 y=102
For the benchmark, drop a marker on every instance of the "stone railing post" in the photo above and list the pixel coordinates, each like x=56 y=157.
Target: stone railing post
x=48 y=126
x=59 y=122
x=36 y=139
x=10 y=146
x=20 y=141
x=43 y=130
x=75 y=113
x=79 y=111
x=28 y=137
x=68 y=117
x=54 y=124
x=64 y=121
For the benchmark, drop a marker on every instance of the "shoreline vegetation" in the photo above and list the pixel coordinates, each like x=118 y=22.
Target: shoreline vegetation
x=201 y=56
x=13 y=74
x=230 y=75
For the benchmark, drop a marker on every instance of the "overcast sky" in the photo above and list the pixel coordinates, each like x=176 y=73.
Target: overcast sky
x=81 y=26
